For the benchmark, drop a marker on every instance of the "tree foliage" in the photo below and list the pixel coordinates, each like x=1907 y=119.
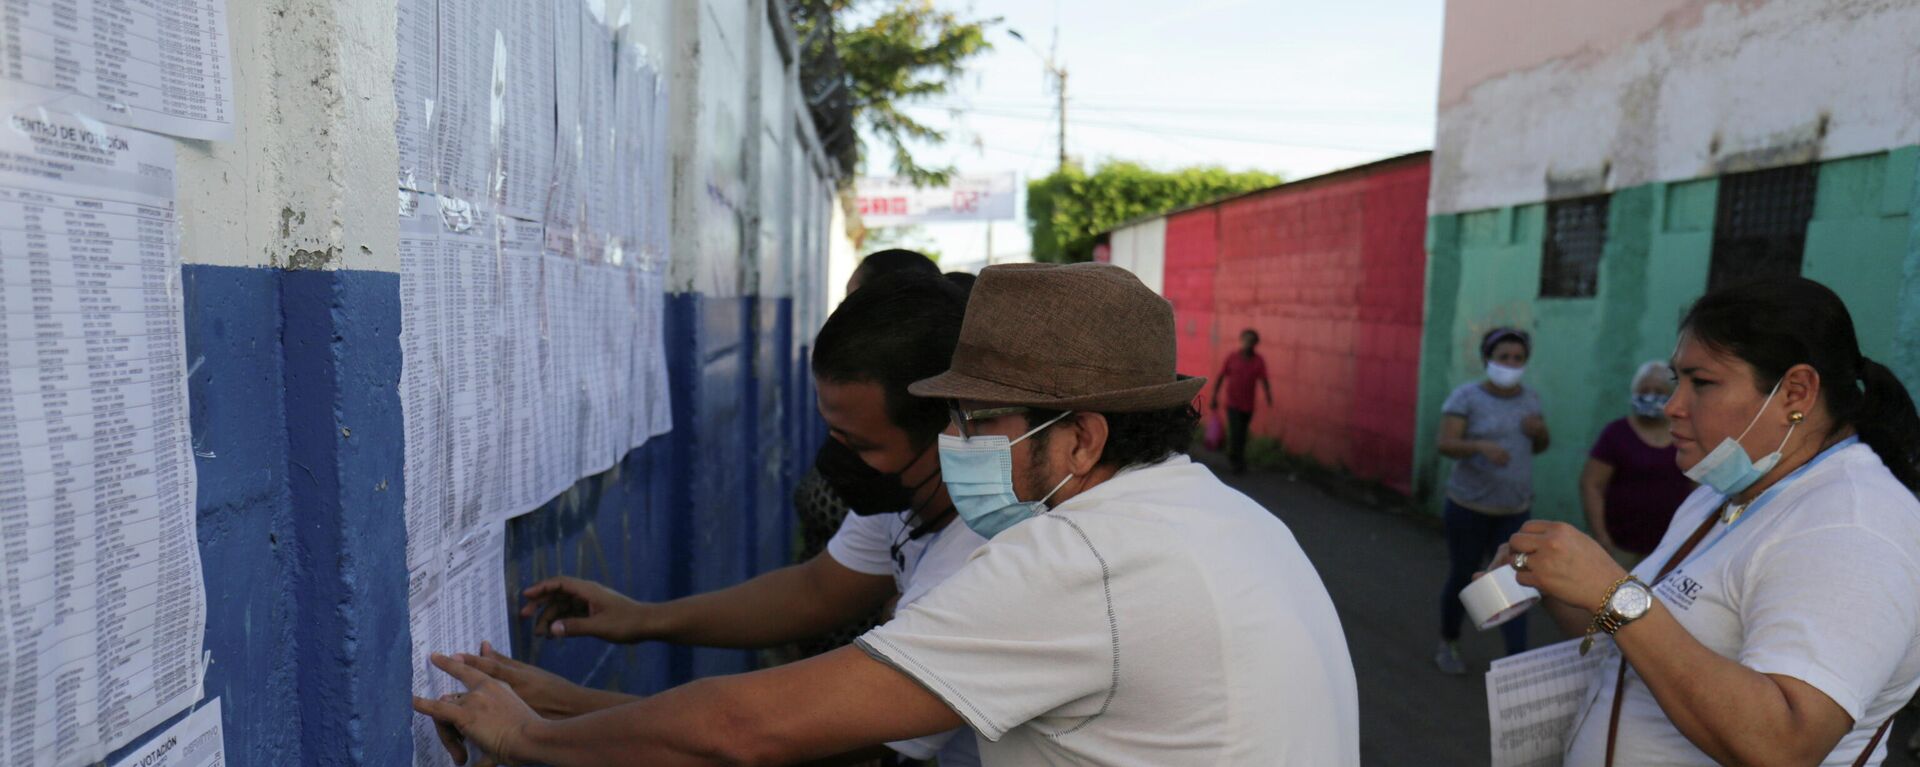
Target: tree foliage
x=896 y=52
x=1068 y=210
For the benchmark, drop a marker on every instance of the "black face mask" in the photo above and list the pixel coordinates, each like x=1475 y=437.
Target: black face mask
x=867 y=490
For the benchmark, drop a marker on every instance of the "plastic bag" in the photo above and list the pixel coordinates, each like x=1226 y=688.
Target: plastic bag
x=1216 y=431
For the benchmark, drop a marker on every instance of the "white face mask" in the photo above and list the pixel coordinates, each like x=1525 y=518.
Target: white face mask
x=1728 y=469
x=1503 y=376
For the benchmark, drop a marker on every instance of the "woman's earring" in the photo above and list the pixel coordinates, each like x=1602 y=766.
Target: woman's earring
x=1796 y=416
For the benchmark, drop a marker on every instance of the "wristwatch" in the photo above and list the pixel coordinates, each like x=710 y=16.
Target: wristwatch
x=1627 y=601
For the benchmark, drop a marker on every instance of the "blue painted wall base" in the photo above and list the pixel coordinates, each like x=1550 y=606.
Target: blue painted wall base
x=298 y=438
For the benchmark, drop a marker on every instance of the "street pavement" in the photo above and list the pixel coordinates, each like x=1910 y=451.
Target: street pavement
x=1383 y=569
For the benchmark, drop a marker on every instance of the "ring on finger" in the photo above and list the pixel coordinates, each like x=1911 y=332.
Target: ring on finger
x=1520 y=561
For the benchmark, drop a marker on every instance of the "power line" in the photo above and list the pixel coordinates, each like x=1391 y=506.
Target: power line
x=1167 y=130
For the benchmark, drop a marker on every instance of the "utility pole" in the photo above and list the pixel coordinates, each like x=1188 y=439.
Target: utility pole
x=1058 y=73
x=1060 y=80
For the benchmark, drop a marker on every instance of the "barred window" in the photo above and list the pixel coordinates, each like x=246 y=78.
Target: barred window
x=1760 y=228
x=1570 y=259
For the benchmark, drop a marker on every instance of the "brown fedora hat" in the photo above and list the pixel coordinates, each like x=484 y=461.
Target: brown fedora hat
x=1085 y=337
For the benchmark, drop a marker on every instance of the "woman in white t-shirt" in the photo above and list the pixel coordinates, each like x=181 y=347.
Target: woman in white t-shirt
x=1778 y=621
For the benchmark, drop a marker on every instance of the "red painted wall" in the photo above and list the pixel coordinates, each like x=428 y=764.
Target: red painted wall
x=1331 y=273
x=1188 y=285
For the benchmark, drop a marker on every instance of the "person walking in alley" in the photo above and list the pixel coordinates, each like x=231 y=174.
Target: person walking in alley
x=1238 y=374
x=1631 y=485
x=1778 y=621
x=1492 y=428
x=1128 y=608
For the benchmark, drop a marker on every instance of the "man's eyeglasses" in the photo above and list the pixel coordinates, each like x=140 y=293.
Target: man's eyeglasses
x=962 y=417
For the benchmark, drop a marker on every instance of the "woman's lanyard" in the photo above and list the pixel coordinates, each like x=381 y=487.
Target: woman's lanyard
x=1769 y=495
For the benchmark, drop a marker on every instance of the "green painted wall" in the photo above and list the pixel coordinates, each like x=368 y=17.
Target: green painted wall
x=1484 y=270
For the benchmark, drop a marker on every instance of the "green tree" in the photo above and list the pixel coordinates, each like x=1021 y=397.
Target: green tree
x=1069 y=209
x=896 y=52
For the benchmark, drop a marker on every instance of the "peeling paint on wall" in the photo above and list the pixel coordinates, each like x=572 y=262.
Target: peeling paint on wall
x=1697 y=89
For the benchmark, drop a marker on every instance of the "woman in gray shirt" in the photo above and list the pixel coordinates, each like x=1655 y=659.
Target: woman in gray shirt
x=1492 y=428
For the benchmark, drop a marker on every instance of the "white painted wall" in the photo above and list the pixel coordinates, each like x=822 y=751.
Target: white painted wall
x=842 y=258
x=1550 y=98
x=1142 y=249
x=308 y=178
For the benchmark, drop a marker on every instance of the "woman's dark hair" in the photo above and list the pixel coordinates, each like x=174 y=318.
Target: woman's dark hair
x=1149 y=436
x=1497 y=336
x=898 y=329
x=1776 y=323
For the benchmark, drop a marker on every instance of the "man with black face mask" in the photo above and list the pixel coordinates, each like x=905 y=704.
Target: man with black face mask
x=899 y=541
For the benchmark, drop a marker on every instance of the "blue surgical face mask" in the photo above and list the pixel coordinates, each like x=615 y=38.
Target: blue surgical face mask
x=1728 y=470
x=1650 y=405
x=978 y=473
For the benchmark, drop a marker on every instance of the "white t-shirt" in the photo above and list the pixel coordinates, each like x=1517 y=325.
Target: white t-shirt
x=1819 y=584
x=1160 y=618
x=865 y=545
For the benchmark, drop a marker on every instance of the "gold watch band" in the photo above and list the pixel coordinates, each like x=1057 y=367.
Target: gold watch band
x=1603 y=620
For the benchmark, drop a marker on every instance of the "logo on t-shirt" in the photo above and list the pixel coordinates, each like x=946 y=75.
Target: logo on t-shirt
x=1679 y=591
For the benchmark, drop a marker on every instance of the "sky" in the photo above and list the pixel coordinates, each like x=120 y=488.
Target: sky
x=1294 y=87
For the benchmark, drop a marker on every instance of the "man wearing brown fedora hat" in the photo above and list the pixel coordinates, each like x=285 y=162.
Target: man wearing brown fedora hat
x=1128 y=608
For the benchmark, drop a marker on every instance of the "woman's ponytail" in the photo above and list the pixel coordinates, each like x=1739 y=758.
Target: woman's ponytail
x=1888 y=423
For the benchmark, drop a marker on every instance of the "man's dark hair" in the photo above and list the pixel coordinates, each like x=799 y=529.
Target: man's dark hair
x=893 y=331
x=894 y=260
x=1251 y=332
x=962 y=279
x=1148 y=436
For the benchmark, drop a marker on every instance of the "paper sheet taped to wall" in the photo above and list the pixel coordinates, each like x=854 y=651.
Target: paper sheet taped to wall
x=105 y=608
x=196 y=741
x=532 y=254
x=159 y=65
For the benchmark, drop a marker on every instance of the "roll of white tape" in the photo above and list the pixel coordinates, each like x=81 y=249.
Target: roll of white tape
x=1497 y=597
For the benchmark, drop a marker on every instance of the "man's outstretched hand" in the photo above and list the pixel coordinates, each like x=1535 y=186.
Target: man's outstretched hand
x=488 y=714
x=571 y=607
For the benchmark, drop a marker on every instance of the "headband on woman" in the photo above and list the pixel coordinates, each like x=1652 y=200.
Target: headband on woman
x=1498 y=336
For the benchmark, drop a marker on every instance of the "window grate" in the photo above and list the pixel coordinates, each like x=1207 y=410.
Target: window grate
x=1576 y=236
x=1760 y=228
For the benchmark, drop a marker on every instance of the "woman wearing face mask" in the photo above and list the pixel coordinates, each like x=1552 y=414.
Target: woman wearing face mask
x=1778 y=621
x=1492 y=428
x=1630 y=485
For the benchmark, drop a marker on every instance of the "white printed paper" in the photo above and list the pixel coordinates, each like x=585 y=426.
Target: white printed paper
x=414 y=89
x=195 y=742
x=1532 y=699
x=158 y=65
x=523 y=171
x=598 y=135
x=563 y=197
x=525 y=477
x=422 y=394
x=531 y=278
x=455 y=601
x=470 y=46
x=105 y=607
